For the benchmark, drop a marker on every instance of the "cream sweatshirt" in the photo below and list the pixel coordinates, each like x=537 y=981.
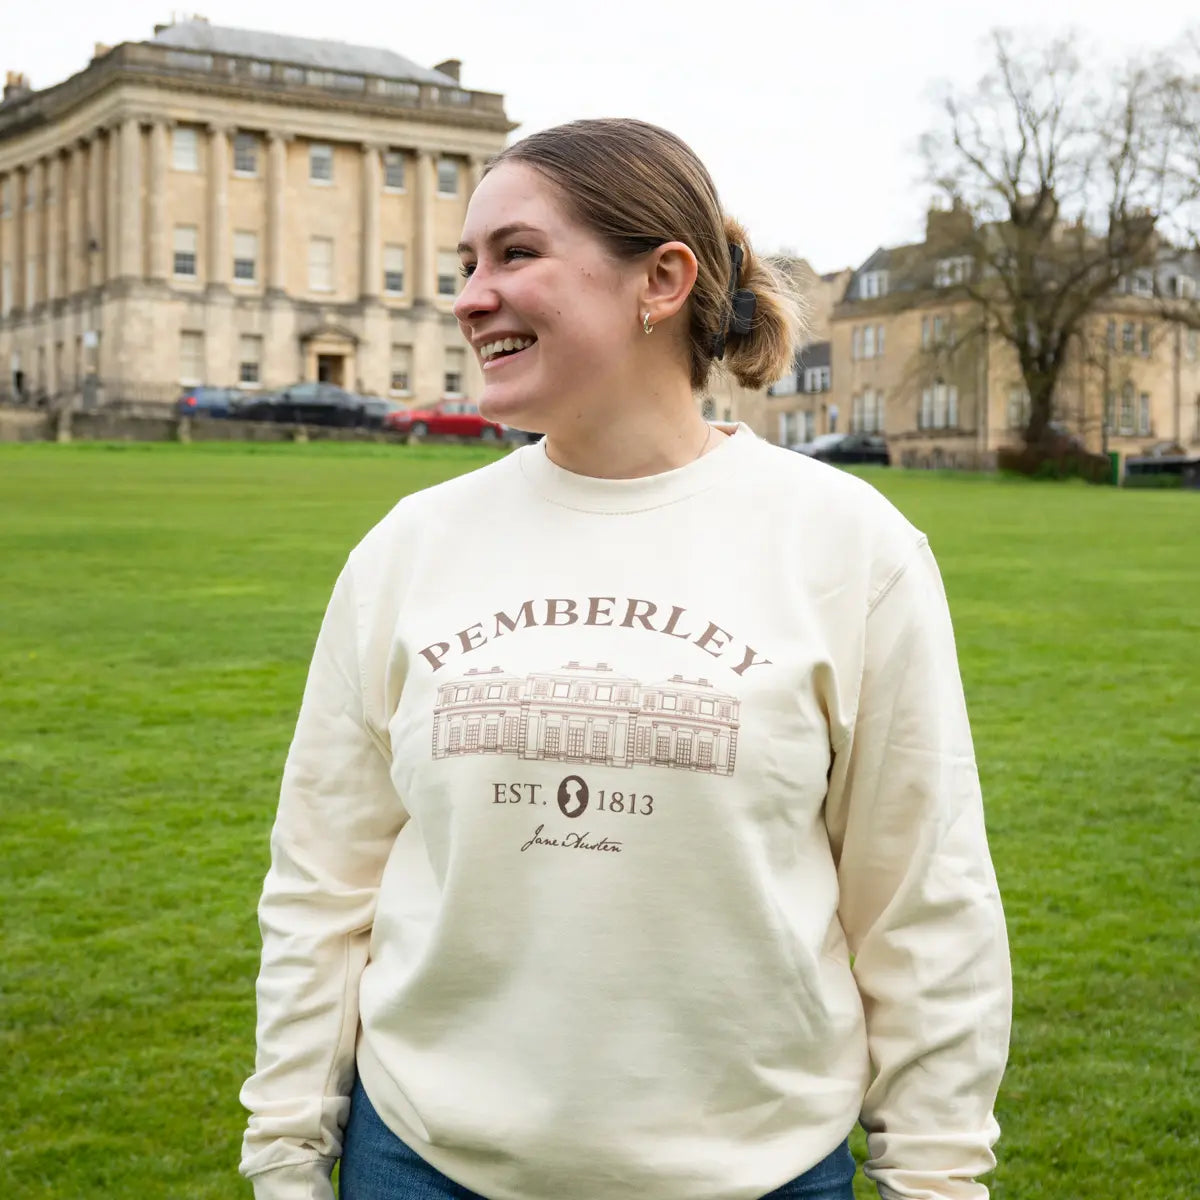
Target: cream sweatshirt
x=631 y=843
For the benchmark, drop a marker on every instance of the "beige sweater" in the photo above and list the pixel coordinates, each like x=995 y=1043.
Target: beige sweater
x=631 y=842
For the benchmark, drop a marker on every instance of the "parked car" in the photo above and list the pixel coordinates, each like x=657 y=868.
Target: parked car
x=455 y=418
x=846 y=448
x=521 y=437
x=376 y=410
x=307 y=404
x=210 y=402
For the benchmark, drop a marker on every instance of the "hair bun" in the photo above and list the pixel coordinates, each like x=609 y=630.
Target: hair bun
x=760 y=351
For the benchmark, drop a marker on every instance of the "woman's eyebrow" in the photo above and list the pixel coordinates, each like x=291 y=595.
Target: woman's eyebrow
x=500 y=234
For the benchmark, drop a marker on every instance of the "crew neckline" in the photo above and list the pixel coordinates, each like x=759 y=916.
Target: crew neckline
x=589 y=493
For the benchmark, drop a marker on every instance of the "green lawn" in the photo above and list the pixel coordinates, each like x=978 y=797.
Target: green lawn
x=157 y=608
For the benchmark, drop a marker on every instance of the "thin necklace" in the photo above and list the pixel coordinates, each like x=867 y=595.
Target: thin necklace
x=707 y=436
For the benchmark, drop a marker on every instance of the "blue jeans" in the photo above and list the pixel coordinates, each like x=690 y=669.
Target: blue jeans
x=377 y=1165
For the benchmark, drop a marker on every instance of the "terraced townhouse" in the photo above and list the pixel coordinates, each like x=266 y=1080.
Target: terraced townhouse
x=910 y=357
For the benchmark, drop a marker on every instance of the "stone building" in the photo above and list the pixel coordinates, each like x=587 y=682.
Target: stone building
x=912 y=358
x=227 y=207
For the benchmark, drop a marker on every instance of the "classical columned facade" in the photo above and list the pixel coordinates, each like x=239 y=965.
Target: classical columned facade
x=154 y=236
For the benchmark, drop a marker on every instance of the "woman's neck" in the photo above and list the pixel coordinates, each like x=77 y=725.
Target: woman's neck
x=655 y=431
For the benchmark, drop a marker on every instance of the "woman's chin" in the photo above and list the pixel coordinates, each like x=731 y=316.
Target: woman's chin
x=509 y=408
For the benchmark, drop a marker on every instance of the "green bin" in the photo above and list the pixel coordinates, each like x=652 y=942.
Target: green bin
x=1114 y=461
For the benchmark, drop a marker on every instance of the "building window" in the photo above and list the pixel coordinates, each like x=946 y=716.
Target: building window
x=447 y=177
x=1125 y=419
x=456 y=362
x=868 y=341
x=447 y=273
x=1110 y=408
x=1145 y=340
x=950 y=271
x=1111 y=335
x=1018 y=407
x=401 y=370
x=320 y=264
x=878 y=341
x=817 y=379
x=856 y=342
x=939 y=330
x=939 y=407
x=320 y=163
x=245 y=154
x=6 y=198
x=1144 y=414
x=867 y=416
x=191 y=359
x=873 y=284
x=185 y=149
x=185 y=252
x=393 y=270
x=245 y=257
x=393 y=170
x=1127 y=337
x=250 y=360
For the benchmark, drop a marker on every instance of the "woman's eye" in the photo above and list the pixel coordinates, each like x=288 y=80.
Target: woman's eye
x=517 y=252
x=467 y=270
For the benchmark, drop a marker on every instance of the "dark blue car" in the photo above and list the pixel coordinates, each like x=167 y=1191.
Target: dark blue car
x=209 y=402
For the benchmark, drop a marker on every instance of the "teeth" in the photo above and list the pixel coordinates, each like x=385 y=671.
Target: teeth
x=491 y=349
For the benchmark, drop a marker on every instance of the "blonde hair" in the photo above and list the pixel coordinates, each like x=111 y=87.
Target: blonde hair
x=636 y=186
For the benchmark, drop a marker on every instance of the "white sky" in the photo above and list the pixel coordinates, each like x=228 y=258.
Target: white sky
x=807 y=115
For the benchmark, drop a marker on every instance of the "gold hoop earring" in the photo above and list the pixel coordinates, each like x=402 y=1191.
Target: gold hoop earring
x=646 y=326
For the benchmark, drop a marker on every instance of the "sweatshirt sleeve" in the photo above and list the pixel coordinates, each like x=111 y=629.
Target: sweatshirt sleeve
x=919 y=901
x=338 y=818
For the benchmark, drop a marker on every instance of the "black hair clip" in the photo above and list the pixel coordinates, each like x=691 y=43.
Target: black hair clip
x=742 y=302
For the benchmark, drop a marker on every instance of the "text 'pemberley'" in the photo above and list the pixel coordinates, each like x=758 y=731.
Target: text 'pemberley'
x=676 y=622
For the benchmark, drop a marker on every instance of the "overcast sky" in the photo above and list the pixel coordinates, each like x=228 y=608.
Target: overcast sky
x=806 y=115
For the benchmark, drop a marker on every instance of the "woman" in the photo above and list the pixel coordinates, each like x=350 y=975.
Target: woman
x=630 y=843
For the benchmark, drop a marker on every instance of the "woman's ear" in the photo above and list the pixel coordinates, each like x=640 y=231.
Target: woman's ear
x=671 y=271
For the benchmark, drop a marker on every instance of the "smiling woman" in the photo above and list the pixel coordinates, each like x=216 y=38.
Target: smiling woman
x=728 y=667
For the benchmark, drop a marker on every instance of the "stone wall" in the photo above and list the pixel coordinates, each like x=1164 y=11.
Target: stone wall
x=17 y=425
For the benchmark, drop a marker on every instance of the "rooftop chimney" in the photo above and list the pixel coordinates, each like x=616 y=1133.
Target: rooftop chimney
x=16 y=87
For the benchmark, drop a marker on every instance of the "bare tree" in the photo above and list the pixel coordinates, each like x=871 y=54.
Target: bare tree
x=1064 y=174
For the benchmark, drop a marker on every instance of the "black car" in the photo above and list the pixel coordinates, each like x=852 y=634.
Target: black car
x=307 y=404
x=210 y=402
x=848 y=448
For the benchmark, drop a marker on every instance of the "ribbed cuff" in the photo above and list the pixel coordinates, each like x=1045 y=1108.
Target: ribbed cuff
x=303 y=1181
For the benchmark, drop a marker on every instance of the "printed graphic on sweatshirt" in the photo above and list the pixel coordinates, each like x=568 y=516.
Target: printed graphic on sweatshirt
x=588 y=715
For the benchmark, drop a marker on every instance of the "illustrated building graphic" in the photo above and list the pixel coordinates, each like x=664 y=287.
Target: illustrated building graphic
x=588 y=714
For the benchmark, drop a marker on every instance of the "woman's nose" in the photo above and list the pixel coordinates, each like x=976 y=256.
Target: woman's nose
x=477 y=298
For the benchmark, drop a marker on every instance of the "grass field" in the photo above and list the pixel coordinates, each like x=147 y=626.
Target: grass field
x=157 y=608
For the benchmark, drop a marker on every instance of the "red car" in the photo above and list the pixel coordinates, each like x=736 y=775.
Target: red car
x=456 y=418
